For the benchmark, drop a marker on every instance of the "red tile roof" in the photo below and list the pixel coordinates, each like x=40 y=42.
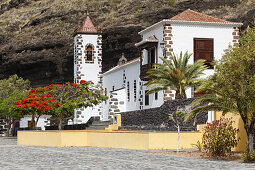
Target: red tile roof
x=190 y=15
x=119 y=66
x=152 y=38
x=87 y=26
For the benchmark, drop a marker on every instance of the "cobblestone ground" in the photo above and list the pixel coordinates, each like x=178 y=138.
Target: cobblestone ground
x=14 y=156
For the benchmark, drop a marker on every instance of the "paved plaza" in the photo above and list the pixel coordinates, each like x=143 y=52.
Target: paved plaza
x=14 y=156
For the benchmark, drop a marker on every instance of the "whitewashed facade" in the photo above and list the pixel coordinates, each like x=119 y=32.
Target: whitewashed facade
x=87 y=64
x=43 y=121
x=190 y=31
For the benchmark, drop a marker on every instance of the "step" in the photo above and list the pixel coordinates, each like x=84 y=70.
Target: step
x=96 y=127
x=101 y=123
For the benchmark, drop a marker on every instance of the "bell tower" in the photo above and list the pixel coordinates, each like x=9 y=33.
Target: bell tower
x=87 y=64
x=88 y=52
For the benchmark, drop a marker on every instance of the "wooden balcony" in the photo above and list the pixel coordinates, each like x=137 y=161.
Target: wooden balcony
x=143 y=72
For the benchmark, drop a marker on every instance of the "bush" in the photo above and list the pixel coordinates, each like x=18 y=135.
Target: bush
x=198 y=145
x=219 y=137
x=248 y=157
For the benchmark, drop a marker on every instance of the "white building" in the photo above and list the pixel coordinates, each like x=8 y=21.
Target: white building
x=43 y=121
x=205 y=36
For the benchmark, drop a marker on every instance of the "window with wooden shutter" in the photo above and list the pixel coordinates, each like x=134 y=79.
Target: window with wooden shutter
x=152 y=56
x=89 y=53
x=147 y=98
x=203 y=49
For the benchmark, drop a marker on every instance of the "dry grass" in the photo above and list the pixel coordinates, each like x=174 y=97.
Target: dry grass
x=228 y=13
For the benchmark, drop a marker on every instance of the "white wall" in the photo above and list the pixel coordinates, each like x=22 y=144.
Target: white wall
x=121 y=95
x=86 y=114
x=90 y=71
x=42 y=122
x=183 y=37
x=119 y=78
x=158 y=32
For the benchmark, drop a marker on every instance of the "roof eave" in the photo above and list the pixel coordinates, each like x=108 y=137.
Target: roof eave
x=167 y=21
x=152 y=27
x=81 y=32
x=120 y=66
x=205 y=23
x=145 y=41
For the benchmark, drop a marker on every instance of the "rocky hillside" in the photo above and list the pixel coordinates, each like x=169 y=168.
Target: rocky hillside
x=36 y=36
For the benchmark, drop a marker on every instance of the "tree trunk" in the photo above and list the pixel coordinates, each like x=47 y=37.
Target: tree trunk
x=178 y=138
x=36 y=121
x=60 y=122
x=250 y=142
x=179 y=95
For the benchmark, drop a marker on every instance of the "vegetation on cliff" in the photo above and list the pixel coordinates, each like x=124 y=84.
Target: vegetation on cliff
x=36 y=35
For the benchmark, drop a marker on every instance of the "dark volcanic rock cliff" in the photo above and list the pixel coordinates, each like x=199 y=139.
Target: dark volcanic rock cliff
x=36 y=36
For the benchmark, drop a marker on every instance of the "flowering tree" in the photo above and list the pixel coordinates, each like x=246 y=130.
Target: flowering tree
x=60 y=100
x=71 y=95
x=35 y=104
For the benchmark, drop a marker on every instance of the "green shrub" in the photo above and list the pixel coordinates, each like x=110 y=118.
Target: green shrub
x=248 y=157
x=136 y=8
x=198 y=145
x=219 y=137
x=170 y=3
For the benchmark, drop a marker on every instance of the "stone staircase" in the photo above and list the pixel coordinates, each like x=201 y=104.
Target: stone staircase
x=98 y=125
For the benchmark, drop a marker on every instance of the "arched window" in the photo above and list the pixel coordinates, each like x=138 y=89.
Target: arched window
x=89 y=53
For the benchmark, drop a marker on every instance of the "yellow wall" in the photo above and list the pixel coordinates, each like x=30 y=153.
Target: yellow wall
x=238 y=123
x=111 y=139
x=168 y=140
x=116 y=123
x=40 y=138
x=52 y=138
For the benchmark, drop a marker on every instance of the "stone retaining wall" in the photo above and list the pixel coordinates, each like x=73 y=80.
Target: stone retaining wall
x=3 y=127
x=158 y=118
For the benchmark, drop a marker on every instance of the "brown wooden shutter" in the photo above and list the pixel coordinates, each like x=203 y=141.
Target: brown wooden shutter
x=147 y=98
x=203 y=49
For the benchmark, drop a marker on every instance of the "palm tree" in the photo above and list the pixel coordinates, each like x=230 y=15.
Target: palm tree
x=175 y=74
x=215 y=98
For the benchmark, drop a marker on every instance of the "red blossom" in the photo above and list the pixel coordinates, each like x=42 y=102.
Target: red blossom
x=82 y=81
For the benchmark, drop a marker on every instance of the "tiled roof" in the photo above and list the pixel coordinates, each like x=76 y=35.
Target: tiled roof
x=152 y=38
x=87 y=26
x=190 y=15
x=119 y=66
x=147 y=40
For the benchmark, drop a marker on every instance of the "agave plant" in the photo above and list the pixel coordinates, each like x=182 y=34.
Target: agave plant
x=175 y=74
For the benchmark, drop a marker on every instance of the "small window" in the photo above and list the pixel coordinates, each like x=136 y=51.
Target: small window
x=135 y=90
x=203 y=49
x=128 y=91
x=89 y=53
x=156 y=96
x=152 y=56
x=147 y=98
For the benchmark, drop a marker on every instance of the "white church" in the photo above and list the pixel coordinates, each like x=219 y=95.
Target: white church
x=204 y=36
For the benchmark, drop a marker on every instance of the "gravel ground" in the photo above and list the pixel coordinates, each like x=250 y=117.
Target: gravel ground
x=14 y=156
